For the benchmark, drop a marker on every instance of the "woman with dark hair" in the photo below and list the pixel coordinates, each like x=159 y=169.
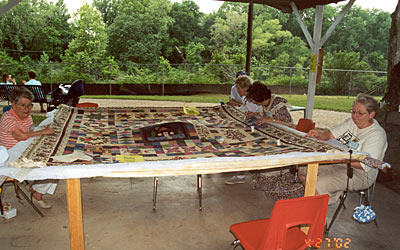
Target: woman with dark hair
x=8 y=80
x=273 y=107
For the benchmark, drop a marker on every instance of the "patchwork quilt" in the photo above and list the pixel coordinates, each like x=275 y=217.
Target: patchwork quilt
x=163 y=133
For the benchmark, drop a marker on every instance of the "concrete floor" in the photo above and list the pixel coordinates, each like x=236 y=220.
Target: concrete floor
x=118 y=215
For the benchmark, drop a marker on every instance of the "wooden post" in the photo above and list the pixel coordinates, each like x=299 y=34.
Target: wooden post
x=311 y=179
x=249 y=37
x=74 y=198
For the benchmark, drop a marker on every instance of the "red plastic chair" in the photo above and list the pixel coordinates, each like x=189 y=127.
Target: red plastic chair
x=87 y=105
x=305 y=125
x=281 y=230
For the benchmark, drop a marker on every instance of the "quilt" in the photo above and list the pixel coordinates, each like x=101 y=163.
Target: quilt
x=163 y=133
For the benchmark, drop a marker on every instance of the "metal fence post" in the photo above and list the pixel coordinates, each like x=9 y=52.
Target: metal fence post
x=110 y=79
x=162 y=81
x=290 y=82
x=51 y=77
x=351 y=77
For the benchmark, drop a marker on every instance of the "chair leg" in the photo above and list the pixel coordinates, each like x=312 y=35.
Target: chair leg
x=235 y=244
x=29 y=201
x=341 y=205
x=1 y=202
x=199 y=190
x=155 y=183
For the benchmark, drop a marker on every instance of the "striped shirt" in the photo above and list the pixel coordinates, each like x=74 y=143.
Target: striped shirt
x=10 y=122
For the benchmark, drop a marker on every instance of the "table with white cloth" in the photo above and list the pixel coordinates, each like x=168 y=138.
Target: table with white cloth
x=165 y=141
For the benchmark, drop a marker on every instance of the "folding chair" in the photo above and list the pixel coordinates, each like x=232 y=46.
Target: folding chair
x=18 y=191
x=282 y=230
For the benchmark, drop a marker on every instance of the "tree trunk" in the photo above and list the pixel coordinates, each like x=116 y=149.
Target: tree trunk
x=392 y=96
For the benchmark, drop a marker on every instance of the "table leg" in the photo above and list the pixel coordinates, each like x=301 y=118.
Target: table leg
x=155 y=184
x=74 y=198
x=311 y=183
x=311 y=179
x=199 y=190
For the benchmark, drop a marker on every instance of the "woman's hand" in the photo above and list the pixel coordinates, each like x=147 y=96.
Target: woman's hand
x=233 y=103
x=48 y=131
x=264 y=120
x=313 y=133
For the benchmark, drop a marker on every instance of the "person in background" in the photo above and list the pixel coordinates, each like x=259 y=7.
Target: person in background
x=238 y=98
x=360 y=133
x=32 y=81
x=15 y=126
x=8 y=80
x=238 y=94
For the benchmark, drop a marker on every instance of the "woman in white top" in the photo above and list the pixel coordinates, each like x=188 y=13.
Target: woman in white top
x=360 y=133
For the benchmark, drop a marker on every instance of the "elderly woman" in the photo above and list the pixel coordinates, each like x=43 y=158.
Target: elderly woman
x=15 y=126
x=360 y=133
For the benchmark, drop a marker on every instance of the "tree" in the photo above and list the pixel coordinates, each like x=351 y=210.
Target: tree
x=339 y=82
x=139 y=31
x=183 y=30
x=34 y=27
x=108 y=9
x=88 y=47
x=392 y=96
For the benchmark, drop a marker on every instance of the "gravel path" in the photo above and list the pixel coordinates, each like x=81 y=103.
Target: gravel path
x=322 y=118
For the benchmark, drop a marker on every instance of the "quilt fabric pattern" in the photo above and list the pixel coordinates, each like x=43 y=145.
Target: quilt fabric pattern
x=163 y=133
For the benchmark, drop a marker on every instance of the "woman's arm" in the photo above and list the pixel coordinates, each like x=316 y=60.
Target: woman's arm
x=20 y=135
x=323 y=135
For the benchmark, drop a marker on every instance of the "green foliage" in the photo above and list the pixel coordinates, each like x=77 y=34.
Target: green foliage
x=193 y=53
x=32 y=27
x=183 y=30
x=88 y=48
x=339 y=82
x=139 y=30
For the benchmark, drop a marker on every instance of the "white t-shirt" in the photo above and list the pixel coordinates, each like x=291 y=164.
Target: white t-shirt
x=33 y=82
x=249 y=106
x=235 y=94
x=370 y=140
x=246 y=106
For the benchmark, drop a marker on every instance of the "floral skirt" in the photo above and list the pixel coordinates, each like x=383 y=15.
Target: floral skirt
x=277 y=185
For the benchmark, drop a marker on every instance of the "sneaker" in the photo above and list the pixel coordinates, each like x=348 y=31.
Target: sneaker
x=236 y=179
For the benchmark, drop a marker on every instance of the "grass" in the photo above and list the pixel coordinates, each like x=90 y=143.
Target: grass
x=333 y=103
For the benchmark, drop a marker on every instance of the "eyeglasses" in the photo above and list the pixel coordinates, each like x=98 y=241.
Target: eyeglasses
x=24 y=106
x=357 y=113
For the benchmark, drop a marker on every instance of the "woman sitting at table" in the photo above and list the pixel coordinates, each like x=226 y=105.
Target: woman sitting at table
x=360 y=133
x=273 y=107
x=16 y=125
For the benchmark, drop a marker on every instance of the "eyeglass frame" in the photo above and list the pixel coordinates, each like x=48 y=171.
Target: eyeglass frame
x=358 y=113
x=23 y=106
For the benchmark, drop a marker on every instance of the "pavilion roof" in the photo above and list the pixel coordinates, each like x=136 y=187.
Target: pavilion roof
x=284 y=5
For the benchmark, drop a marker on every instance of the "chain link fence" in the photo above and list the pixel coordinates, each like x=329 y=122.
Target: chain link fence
x=333 y=82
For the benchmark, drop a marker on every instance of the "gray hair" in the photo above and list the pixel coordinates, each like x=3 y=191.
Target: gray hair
x=368 y=101
x=21 y=92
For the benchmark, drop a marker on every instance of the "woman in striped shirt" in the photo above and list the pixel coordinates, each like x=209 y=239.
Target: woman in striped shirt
x=16 y=125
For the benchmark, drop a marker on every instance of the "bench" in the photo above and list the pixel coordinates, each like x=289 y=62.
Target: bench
x=4 y=90
x=298 y=108
x=38 y=93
